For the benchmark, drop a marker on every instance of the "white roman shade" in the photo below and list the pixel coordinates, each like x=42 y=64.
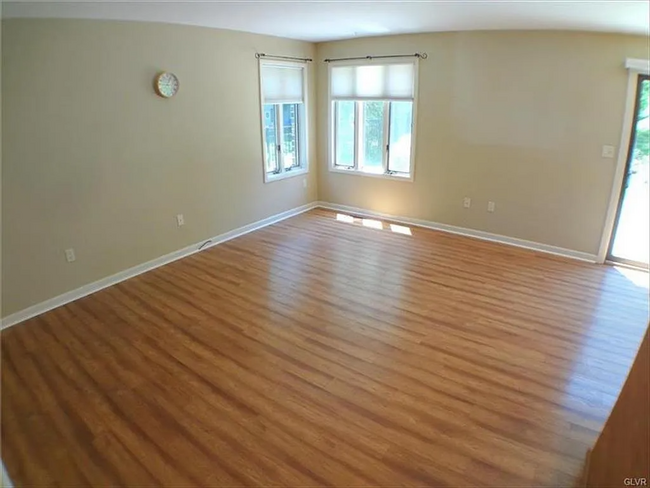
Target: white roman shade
x=282 y=83
x=395 y=81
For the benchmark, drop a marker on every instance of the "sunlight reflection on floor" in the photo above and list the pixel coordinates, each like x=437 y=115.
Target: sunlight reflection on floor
x=595 y=381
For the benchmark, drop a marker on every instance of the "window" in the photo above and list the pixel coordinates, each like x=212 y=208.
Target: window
x=283 y=91
x=373 y=118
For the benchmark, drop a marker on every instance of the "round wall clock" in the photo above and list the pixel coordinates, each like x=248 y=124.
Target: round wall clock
x=166 y=85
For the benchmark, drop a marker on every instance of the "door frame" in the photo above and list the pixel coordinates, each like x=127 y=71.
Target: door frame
x=640 y=78
x=636 y=68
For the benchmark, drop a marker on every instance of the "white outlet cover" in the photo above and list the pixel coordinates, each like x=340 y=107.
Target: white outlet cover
x=69 y=255
x=608 y=151
x=180 y=219
x=491 y=206
x=467 y=202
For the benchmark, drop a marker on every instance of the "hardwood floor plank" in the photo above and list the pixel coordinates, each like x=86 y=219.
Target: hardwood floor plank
x=317 y=352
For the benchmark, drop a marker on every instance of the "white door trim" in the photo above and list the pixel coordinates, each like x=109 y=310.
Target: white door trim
x=636 y=67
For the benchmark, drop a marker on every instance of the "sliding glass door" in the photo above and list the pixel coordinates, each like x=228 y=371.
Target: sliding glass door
x=629 y=244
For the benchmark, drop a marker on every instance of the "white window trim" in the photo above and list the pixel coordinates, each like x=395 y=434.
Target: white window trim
x=358 y=172
x=304 y=125
x=635 y=68
x=331 y=131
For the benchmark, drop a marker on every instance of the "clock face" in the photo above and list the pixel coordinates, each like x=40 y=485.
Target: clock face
x=166 y=85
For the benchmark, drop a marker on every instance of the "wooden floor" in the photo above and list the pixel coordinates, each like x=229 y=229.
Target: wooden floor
x=319 y=352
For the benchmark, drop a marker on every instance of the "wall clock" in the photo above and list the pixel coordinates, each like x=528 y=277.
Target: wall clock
x=166 y=84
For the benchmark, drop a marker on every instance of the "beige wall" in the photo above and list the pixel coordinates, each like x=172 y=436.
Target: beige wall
x=518 y=118
x=94 y=160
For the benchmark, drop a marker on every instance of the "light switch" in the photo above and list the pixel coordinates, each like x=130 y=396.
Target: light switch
x=608 y=151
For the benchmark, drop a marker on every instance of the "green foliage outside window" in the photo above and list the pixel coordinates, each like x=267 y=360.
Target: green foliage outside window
x=642 y=142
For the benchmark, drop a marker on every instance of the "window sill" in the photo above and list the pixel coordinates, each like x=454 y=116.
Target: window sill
x=269 y=178
x=397 y=177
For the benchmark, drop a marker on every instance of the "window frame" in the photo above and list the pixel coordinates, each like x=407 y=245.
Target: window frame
x=301 y=121
x=332 y=118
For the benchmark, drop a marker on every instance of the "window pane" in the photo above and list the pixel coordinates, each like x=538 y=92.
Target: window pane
x=401 y=121
x=344 y=134
x=372 y=136
x=270 y=138
x=290 y=135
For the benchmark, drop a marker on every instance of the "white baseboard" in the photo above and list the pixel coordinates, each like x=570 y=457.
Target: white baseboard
x=479 y=234
x=85 y=290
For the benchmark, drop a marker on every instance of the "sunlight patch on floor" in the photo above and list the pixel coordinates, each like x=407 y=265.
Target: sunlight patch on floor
x=400 y=229
x=345 y=218
x=635 y=276
x=374 y=224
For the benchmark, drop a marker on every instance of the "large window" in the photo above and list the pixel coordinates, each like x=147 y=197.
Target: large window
x=372 y=118
x=283 y=88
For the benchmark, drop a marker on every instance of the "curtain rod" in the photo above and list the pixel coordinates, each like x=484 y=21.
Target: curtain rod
x=273 y=56
x=415 y=55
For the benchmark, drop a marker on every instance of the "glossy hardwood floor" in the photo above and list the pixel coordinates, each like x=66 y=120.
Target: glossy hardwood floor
x=320 y=352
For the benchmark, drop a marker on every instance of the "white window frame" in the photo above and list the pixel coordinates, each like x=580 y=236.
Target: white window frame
x=331 y=137
x=303 y=128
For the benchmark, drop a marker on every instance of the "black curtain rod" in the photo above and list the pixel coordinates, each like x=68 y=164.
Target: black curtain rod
x=273 y=56
x=415 y=55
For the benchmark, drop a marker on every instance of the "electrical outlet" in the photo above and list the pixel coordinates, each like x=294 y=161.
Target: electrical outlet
x=70 y=256
x=304 y=182
x=467 y=202
x=491 y=206
x=180 y=220
x=608 y=152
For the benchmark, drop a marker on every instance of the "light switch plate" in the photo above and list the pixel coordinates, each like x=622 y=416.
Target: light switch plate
x=608 y=151
x=70 y=256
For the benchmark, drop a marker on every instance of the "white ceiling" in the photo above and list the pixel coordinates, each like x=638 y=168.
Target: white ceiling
x=341 y=19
